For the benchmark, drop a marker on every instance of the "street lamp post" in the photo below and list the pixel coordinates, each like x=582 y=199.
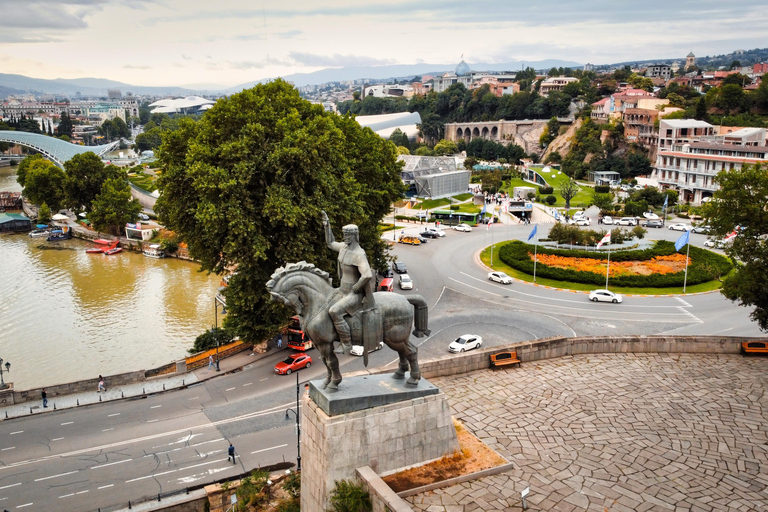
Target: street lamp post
x=216 y=303
x=3 y=385
x=298 y=426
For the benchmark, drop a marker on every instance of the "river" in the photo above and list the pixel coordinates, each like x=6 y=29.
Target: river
x=66 y=315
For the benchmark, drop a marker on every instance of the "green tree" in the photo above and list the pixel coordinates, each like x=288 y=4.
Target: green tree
x=424 y=151
x=347 y=496
x=402 y=150
x=86 y=174
x=44 y=183
x=638 y=164
x=211 y=338
x=21 y=172
x=740 y=204
x=44 y=214
x=244 y=187
x=568 y=191
x=113 y=207
x=65 y=125
x=446 y=147
x=398 y=138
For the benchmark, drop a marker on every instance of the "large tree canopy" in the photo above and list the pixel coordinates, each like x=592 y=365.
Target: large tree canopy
x=740 y=204
x=44 y=183
x=113 y=206
x=86 y=173
x=244 y=188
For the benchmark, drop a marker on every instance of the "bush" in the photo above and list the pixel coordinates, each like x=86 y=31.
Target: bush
x=208 y=339
x=705 y=265
x=546 y=190
x=550 y=200
x=347 y=496
x=602 y=189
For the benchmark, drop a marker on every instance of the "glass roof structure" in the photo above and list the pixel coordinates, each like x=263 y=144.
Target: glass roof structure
x=56 y=150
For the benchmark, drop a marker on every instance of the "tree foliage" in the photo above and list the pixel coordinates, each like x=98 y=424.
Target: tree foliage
x=568 y=191
x=21 y=172
x=245 y=185
x=740 y=204
x=113 y=207
x=86 y=174
x=65 y=125
x=44 y=183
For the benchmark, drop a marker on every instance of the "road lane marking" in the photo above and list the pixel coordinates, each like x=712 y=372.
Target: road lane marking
x=194 y=398
x=81 y=492
x=17 y=432
x=262 y=380
x=229 y=389
x=685 y=304
x=174 y=470
x=689 y=314
x=247 y=384
x=107 y=429
x=67 y=495
x=9 y=448
x=267 y=449
x=57 y=439
x=7 y=486
x=67 y=423
x=57 y=476
x=25 y=505
x=105 y=487
x=155 y=406
x=115 y=414
x=206 y=442
x=151 y=421
x=111 y=464
x=278 y=409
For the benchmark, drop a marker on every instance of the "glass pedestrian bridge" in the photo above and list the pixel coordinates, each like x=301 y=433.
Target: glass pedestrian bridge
x=56 y=150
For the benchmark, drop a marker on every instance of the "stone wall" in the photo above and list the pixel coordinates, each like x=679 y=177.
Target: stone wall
x=383 y=498
x=384 y=438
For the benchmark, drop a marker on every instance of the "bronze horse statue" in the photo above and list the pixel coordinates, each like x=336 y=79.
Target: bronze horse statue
x=308 y=290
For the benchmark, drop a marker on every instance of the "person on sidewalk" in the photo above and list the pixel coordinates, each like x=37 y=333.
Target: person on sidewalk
x=45 y=398
x=210 y=362
x=101 y=385
x=231 y=453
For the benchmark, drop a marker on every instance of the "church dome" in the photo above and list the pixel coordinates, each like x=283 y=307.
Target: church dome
x=462 y=69
x=690 y=55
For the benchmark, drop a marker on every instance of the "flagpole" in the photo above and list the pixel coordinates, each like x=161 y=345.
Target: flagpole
x=535 y=249
x=489 y=228
x=608 y=267
x=687 y=251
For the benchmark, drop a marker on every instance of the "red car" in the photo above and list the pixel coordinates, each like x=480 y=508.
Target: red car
x=292 y=363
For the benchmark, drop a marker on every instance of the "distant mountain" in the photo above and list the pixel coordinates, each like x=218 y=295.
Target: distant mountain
x=85 y=86
x=402 y=71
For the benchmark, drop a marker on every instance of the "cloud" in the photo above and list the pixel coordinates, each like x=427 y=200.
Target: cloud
x=336 y=60
x=247 y=64
x=134 y=66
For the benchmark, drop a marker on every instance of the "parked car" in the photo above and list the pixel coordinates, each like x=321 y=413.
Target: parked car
x=655 y=223
x=578 y=215
x=679 y=226
x=465 y=342
x=386 y=285
x=608 y=220
x=466 y=228
x=429 y=234
x=387 y=272
x=357 y=350
x=409 y=239
x=293 y=363
x=701 y=229
x=584 y=221
x=626 y=188
x=626 y=221
x=400 y=267
x=438 y=231
x=421 y=239
x=715 y=244
x=406 y=283
x=499 y=277
x=143 y=216
x=605 y=296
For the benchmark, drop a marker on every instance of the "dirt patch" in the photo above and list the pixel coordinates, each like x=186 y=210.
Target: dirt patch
x=473 y=456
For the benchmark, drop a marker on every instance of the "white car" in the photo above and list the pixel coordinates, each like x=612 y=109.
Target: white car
x=584 y=221
x=500 y=277
x=715 y=244
x=465 y=342
x=406 y=283
x=607 y=220
x=437 y=231
x=143 y=216
x=357 y=350
x=626 y=221
x=679 y=226
x=605 y=296
x=466 y=228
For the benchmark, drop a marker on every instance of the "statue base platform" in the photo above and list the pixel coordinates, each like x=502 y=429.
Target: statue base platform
x=407 y=426
x=359 y=393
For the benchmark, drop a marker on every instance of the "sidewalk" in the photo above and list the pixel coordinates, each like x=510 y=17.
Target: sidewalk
x=149 y=387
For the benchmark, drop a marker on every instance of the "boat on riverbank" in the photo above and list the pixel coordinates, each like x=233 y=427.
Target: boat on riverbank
x=59 y=233
x=105 y=246
x=154 y=251
x=40 y=231
x=113 y=250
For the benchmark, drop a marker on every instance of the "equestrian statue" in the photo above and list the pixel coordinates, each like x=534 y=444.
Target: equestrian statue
x=353 y=312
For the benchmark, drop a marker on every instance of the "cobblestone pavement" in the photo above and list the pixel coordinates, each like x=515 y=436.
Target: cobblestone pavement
x=616 y=432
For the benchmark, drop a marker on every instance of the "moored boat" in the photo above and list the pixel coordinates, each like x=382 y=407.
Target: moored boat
x=113 y=250
x=154 y=251
x=59 y=233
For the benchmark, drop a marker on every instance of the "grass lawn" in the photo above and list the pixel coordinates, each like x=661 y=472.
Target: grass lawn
x=485 y=257
x=143 y=181
x=583 y=196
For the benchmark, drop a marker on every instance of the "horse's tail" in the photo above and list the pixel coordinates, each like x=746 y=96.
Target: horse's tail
x=421 y=318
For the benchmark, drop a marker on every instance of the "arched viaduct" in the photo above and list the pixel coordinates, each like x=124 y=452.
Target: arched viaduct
x=55 y=150
x=523 y=133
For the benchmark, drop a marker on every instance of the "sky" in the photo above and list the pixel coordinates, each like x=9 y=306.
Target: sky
x=222 y=43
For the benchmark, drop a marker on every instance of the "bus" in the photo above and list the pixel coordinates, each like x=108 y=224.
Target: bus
x=297 y=339
x=450 y=217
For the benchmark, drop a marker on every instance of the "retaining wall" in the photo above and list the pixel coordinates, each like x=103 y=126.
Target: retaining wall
x=81 y=386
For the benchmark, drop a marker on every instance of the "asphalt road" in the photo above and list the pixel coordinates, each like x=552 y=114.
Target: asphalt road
x=104 y=455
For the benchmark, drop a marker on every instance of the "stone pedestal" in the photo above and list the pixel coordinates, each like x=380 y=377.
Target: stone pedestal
x=416 y=429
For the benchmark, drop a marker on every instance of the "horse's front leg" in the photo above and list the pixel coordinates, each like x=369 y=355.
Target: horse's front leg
x=333 y=376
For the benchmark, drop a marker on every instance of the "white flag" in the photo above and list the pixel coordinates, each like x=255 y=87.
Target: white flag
x=606 y=240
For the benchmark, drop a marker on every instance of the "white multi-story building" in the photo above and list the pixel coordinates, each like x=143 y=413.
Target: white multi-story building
x=690 y=156
x=555 y=83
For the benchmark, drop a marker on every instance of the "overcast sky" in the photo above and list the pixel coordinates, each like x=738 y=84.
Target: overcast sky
x=228 y=42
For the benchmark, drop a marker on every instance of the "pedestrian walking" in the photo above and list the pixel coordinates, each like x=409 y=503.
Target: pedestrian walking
x=102 y=387
x=279 y=341
x=231 y=453
x=210 y=361
x=45 y=398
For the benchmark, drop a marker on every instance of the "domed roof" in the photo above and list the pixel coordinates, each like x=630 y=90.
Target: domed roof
x=690 y=55
x=462 y=69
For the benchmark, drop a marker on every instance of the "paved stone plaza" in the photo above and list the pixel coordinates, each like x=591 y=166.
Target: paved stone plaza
x=616 y=432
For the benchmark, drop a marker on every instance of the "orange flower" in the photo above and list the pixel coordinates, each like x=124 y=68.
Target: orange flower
x=656 y=265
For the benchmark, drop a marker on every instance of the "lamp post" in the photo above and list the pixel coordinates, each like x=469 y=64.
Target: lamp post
x=298 y=426
x=216 y=303
x=3 y=385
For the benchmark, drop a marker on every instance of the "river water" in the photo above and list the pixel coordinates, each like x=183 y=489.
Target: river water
x=66 y=315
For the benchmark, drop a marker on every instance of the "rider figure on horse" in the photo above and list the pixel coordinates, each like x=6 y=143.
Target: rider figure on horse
x=357 y=280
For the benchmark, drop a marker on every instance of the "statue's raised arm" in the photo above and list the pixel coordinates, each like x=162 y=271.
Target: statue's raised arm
x=330 y=241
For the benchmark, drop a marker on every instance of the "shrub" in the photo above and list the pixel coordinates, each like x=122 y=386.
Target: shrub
x=550 y=200
x=602 y=189
x=347 y=496
x=546 y=190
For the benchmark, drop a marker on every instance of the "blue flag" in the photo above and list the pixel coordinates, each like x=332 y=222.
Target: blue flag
x=533 y=233
x=666 y=198
x=682 y=241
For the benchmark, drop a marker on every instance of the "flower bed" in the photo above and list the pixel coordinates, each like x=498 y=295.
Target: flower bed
x=658 y=267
